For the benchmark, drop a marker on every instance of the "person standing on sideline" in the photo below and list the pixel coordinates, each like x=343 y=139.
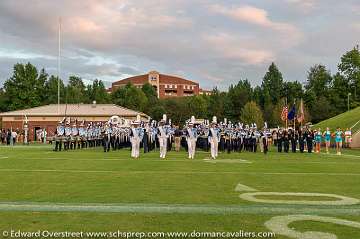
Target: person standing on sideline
x=177 y=138
x=327 y=137
x=13 y=136
x=318 y=139
x=286 y=141
x=301 y=140
x=146 y=137
x=214 y=138
x=279 y=139
x=348 y=138
x=60 y=131
x=191 y=138
x=8 y=137
x=136 y=135
x=163 y=135
x=309 y=140
x=106 y=132
x=338 y=140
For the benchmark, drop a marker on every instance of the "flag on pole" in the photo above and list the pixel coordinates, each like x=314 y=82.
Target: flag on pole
x=291 y=114
x=284 y=113
x=301 y=115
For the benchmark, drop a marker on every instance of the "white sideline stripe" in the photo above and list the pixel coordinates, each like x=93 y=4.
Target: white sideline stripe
x=170 y=172
x=243 y=188
x=181 y=159
x=141 y=160
x=174 y=208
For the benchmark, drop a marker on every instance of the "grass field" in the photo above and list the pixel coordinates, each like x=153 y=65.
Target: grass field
x=344 y=120
x=88 y=190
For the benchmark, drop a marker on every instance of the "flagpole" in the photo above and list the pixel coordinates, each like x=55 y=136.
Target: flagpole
x=58 y=70
x=294 y=114
x=286 y=120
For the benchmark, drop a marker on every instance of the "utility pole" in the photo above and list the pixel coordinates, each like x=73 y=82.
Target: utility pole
x=349 y=94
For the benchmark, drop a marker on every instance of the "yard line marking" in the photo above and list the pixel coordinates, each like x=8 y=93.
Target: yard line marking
x=207 y=160
x=280 y=225
x=346 y=155
x=343 y=200
x=172 y=172
x=241 y=188
x=175 y=208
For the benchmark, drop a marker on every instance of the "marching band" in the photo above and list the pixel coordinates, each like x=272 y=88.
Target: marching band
x=225 y=136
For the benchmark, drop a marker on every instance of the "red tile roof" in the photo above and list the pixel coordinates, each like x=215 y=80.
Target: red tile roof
x=75 y=110
x=164 y=79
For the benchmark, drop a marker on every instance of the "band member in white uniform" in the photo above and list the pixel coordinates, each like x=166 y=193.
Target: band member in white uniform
x=191 y=138
x=163 y=135
x=214 y=138
x=136 y=135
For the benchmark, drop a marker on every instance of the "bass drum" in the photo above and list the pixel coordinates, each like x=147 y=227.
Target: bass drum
x=115 y=119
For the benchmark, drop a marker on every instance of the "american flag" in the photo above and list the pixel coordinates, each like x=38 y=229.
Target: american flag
x=284 y=113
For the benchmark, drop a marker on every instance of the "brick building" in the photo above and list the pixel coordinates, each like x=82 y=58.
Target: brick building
x=165 y=85
x=48 y=116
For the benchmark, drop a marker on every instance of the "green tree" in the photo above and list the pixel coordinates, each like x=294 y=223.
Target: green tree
x=273 y=83
x=216 y=104
x=251 y=113
x=153 y=100
x=198 y=106
x=130 y=97
x=51 y=91
x=317 y=89
x=236 y=98
x=150 y=92
x=318 y=80
x=350 y=68
x=321 y=110
x=3 y=101
x=339 y=93
x=176 y=109
x=97 y=92
x=292 y=91
x=276 y=114
x=268 y=109
x=26 y=87
x=76 y=91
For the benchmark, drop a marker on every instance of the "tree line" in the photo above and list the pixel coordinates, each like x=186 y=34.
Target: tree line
x=324 y=94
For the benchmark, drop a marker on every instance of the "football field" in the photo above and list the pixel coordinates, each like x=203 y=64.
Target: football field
x=293 y=195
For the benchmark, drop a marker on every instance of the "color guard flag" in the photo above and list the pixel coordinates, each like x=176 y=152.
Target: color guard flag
x=291 y=114
x=284 y=113
x=301 y=115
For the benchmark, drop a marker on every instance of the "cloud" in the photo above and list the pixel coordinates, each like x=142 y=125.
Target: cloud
x=215 y=44
x=304 y=5
x=260 y=17
x=234 y=48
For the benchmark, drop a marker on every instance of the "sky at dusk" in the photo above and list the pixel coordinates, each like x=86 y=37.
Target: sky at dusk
x=215 y=43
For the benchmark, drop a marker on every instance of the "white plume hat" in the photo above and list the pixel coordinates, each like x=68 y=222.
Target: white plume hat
x=214 y=120
x=192 y=120
x=137 y=121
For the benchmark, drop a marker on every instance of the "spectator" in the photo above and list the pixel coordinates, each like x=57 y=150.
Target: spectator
x=14 y=136
x=3 y=136
x=8 y=136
